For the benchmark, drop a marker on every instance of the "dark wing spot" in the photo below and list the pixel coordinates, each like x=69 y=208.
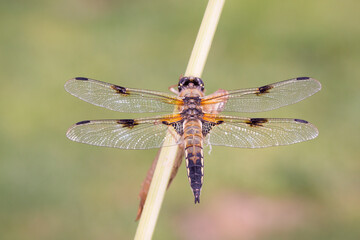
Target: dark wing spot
x=302 y=78
x=207 y=126
x=165 y=122
x=128 y=123
x=300 y=120
x=178 y=126
x=82 y=122
x=119 y=89
x=256 y=122
x=264 y=89
x=81 y=78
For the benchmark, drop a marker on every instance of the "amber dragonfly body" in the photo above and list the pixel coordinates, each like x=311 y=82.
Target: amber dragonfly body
x=196 y=118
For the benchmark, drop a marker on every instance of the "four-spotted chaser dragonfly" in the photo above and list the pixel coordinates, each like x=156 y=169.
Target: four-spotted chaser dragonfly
x=196 y=118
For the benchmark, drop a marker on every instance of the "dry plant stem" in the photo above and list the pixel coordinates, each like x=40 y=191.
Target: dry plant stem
x=204 y=38
x=168 y=155
x=147 y=181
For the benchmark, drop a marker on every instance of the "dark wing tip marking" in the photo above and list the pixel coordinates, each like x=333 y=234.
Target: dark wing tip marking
x=256 y=122
x=128 y=123
x=264 y=89
x=82 y=122
x=81 y=78
x=302 y=78
x=119 y=89
x=300 y=120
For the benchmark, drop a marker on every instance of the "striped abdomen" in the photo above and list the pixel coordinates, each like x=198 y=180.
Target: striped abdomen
x=194 y=157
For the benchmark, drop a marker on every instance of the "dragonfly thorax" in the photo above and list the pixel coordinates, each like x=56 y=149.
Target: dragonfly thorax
x=192 y=108
x=192 y=102
x=192 y=113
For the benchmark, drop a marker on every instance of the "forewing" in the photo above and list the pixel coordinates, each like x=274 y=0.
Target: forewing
x=121 y=99
x=143 y=133
x=258 y=132
x=263 y=98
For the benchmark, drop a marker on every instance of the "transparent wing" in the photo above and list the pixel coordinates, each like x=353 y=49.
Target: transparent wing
x=119 y=98
x=263 y=98
x=142 y=133
x=259 y=132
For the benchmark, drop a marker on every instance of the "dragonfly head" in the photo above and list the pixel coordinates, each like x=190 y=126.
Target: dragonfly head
x=191 y=82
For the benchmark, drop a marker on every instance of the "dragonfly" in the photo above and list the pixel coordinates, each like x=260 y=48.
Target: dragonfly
x=195 y=119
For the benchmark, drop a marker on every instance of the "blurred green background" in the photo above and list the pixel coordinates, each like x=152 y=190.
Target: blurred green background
x=52 y=188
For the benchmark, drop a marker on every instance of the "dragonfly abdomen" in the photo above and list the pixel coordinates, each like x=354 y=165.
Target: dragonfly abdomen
x=194 y=157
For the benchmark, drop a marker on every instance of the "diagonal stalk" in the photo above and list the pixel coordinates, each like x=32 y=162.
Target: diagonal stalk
x=168 y=155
